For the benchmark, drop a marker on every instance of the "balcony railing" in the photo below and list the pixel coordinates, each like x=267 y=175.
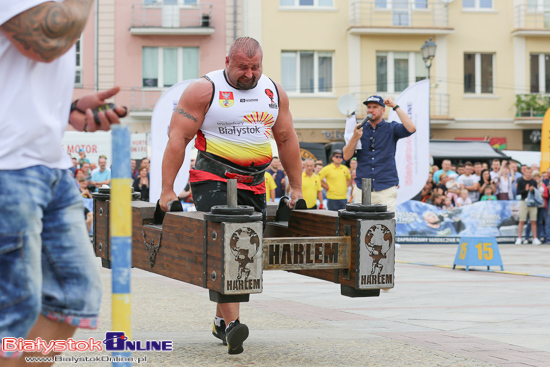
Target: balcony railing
x=145 y=99
x=399 y=13
x=158 y=15
x=532 y=105
x=439 y=103
x=532 y=17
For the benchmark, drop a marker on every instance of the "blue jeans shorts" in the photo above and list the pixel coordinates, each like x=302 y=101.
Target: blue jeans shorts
x=47 y=264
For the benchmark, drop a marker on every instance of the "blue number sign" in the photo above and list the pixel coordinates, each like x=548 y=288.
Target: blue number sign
x=478 y=251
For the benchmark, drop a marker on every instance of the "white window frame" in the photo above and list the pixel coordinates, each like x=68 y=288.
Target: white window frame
x=316 y=55
x=78 y=69
x=296 y=4
x=159 y=3
x=477 y=6
x=542 y=73
x=477 y=66
x=539 y=7
x=389 y=6
x=160 y=55
x=390 y=60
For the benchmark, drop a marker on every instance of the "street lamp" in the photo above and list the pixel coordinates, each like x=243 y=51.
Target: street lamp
x=428 y=53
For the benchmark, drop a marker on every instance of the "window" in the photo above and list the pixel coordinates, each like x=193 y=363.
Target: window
x=400 y=4
x=478 y=73
x=165 y=66
x=477 y=4
x=395 y=71
x=307 y=71
x=170 y=2
x=78 y=75
x=540 y=73
x=319 y=3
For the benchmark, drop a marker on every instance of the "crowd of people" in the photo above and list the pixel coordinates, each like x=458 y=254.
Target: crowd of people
x=455 y=185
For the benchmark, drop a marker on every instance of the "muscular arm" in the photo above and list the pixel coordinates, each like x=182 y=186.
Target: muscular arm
x=47 y=31
x=186 y=120
x=288 y=146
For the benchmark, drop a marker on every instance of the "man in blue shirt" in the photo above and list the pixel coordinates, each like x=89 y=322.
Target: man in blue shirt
x=376 y=159
x=103 y=175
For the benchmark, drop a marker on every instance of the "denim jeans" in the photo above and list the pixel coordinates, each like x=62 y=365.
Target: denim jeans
x=47 y=264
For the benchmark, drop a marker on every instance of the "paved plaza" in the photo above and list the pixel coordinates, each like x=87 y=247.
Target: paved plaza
x=435 y=316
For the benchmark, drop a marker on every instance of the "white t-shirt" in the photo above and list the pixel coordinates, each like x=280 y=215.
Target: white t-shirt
x=36 y=98
x=469 y=181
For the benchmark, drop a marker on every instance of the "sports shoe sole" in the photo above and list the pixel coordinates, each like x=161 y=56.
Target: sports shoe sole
x=235 y=339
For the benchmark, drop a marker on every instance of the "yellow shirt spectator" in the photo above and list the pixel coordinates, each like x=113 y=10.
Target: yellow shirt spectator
x=337 y=180
x=270 y=187
x=311 y=187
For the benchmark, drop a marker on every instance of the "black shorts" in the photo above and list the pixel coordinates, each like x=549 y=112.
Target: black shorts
x=207 y=194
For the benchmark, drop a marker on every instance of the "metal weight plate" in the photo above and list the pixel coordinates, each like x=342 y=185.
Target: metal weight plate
x=356 y=207
x=255 y=217
x=239 y=210
x=366 y=215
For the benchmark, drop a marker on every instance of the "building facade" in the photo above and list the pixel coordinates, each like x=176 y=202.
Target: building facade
x=490 y=78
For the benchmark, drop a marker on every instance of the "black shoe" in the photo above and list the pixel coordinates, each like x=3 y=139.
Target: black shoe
x=219 y=331
x=235 y=335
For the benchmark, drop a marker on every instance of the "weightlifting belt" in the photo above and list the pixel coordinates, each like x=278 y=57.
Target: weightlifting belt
x=208 y=163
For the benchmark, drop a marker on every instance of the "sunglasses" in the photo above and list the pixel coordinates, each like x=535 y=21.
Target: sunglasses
x=337 y=156
x=372 y=143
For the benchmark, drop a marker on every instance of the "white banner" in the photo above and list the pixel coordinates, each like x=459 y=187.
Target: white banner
x=139 y=146
x=413 y=153
x=160 y=122
x=351 y=123
x=96 y=144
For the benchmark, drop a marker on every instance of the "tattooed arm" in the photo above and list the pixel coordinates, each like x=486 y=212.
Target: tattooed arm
x=187 y=119
x=47 y=31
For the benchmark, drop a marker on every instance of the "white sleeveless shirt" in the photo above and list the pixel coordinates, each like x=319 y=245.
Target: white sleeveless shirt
x=238 y=124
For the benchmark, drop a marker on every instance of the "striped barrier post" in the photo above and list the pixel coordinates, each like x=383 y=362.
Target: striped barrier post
x=121 y=238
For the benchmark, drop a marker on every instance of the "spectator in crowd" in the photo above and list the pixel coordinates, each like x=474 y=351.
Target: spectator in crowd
x=515 y=173
x=141 y=183
x=448 y=203
x=145 y=162
x=542 y=213
x=86 y=171
x=318 y=167
x=525 y=184
x=352 y=185
x=311 y=186
x=468 y=182
x=83 y=158
x=484 y=165
x=495 y=168
x=335 y=178
x=477 y=170
x=83 y=186
x=486 y=181
x=546 y=177
x=488 y=193
x=270 y=187
x=377 y=158
x=103 y=175
x=504 y=183
x=463 y=199
x=453 y=167
x=277 y=172
x=442 y=187
x=133 y=169
x=437 y=200
x=75 y=166
x=460 y=169
x=93 y=167
x=445 y=168
x=353 y=164
x=434 y=169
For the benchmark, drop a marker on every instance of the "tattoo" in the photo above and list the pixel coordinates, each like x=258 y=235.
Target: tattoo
x=186 y=114
x=49 y=29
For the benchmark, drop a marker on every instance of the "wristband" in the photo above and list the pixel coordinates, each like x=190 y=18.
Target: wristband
x=74 y=108
x=396 y=107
